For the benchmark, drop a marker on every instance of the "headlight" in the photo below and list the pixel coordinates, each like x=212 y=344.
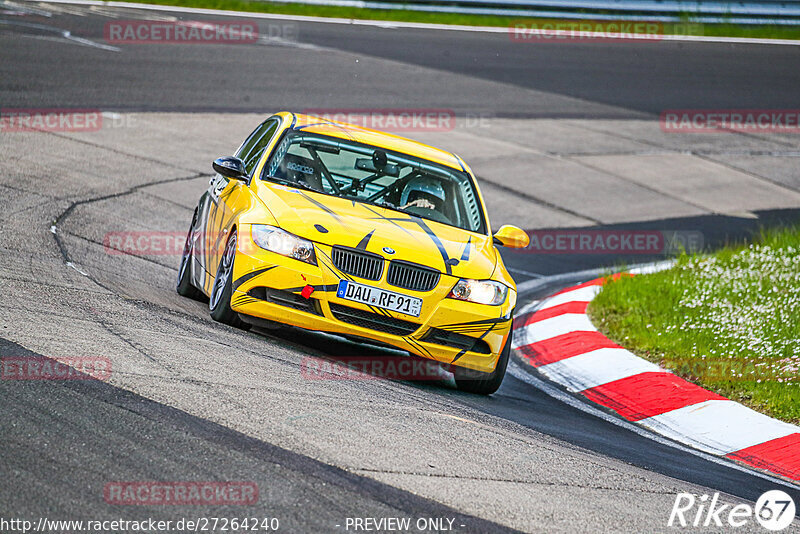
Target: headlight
x=281 y=242
x=480 y=291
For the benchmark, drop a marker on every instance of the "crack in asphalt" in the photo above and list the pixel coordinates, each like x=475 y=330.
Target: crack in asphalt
x=204 y=325
x=514 y=481
x=704 y=155
x=45 y=284
x=748 y=173
x=35 y=193
x=168 y=201
x=122 y=153
x=66 y=213
x=638 y=184
x=668 y=151
x=133 y=345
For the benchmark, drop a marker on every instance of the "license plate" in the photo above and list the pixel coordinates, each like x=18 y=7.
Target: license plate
x=380 y=298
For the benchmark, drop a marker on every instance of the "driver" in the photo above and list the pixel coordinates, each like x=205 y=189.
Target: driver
x=423 y=192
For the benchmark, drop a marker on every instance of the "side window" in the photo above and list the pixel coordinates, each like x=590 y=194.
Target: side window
x=253 y=148
x=251 y=139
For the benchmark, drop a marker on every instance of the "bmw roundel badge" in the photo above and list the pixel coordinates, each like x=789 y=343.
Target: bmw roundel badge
x=388 y=250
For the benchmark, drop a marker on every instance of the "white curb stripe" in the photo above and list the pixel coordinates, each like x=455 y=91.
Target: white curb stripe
x=552 y=327
x=596 y=368
x=718 y=426
x=517 y=372
x=584 y=294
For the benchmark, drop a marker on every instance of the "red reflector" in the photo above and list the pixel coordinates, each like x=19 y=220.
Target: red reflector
x=306 y=292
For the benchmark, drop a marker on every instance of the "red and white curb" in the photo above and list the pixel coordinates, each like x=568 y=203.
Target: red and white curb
x=559 y=340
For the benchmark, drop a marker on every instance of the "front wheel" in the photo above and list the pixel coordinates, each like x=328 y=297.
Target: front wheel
x=219 y=304
x=473 y=381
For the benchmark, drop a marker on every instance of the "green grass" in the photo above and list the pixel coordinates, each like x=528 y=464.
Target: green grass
x=725 y=30
x=728 y=321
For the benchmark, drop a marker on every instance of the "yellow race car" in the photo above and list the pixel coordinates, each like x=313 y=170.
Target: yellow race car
x=332 y=227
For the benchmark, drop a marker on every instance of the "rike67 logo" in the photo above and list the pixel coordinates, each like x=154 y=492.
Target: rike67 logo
x=774 y=510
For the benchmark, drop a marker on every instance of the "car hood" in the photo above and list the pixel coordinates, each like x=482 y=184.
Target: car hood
x=336 y=221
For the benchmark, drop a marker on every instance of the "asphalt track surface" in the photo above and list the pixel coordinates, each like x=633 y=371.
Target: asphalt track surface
x=192 y=400
x=616 y=79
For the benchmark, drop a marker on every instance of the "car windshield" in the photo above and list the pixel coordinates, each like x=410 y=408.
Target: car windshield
x=362 y=173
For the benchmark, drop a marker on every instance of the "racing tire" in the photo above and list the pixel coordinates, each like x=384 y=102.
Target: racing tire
x=473 y=381
x=219 y=303
x=184 y=287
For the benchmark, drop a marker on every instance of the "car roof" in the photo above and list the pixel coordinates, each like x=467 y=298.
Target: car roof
x=367 y=136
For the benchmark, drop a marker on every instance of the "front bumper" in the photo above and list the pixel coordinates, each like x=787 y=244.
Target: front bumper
x=269 y=286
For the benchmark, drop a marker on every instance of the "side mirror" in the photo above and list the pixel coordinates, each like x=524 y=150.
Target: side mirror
x=231 y=167
x=512 y=237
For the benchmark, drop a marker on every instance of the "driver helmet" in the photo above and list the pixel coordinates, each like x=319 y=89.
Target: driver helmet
x=423 y=187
